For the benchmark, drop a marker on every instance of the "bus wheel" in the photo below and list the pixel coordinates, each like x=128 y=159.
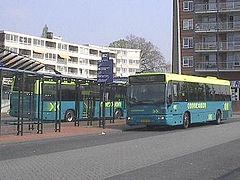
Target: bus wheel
x=218 y=118
x=186 y=120
x=69 y=115
x=118 y=114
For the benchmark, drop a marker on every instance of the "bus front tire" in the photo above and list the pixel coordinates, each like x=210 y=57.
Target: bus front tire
x=218 y=118
x=186 y=120
x=69 y=115
x=118 y=114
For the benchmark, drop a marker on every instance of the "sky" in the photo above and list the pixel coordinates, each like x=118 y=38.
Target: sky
x=97 y=22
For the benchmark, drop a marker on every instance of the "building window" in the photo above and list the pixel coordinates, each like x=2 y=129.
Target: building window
x=112 y=55
x=38 y=55
x=187 y=61
x=25 y=40
x=38 y=42
x=187 y=42
x=93 y=62
x=83 y=61
x=188 y=24
x=73 y=49
x=72 y=71
x=25 y=52
x=11 y=38
x=80 y=71
x=132 y=70
x=124 y=53
x=50 y=56
x=124 y=61
x=11 y=49
x=73 y=60
x=51 y=45
x=62 y=69
x=187 y=6
x=62 y=46
x=92 y=73
x=93 y=52
x=124 y=70
x=83 y=50
x=49 y=68
x=85 y=71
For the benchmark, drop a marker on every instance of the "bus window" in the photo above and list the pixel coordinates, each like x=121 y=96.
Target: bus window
x=28 y=85
x=175 y=91
x=227 y=93
x=68 y=92
x=201 y=92
x=180 y=91
x=193 y=90
x=207 y=89
x=49 y=92
x=169 y=93
x=183 y=95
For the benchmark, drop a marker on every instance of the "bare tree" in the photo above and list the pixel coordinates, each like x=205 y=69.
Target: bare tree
x=151 y=59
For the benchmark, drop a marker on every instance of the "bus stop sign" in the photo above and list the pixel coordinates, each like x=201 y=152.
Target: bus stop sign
x=105 y=69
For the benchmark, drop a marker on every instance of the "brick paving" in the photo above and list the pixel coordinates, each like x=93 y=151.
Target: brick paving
x=103 y=161
x=67 y=129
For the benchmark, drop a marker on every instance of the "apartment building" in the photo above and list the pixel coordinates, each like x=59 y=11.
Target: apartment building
x=206 y=40
x=70 y=58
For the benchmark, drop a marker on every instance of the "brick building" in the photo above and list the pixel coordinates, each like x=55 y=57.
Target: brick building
x=206 y=40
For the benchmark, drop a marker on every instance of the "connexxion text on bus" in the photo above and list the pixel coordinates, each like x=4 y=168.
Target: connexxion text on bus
x=172 y=99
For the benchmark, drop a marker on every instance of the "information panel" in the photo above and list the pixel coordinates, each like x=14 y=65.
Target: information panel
x=105 y=69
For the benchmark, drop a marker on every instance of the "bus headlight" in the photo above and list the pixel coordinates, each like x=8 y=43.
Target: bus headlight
x=129 y=118
x=161 y=118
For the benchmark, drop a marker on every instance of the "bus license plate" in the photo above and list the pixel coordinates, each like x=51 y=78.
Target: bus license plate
x=145 y=121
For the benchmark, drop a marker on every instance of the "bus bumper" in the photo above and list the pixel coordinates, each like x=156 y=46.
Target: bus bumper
x=151 y=120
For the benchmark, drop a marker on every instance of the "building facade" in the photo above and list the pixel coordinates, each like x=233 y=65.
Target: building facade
x=69 y=58
x=207 y=40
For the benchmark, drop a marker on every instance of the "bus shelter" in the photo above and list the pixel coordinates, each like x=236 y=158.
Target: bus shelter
x=30 y=98
x=35 y=98
x=100 y=102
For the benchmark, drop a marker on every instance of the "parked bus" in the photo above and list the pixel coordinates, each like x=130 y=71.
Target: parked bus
x=172 y=99
x=89 y=100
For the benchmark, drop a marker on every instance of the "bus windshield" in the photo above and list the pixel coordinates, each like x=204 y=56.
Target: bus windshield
x=146 y=94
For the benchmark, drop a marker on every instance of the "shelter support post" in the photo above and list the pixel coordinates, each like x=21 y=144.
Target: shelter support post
x=58 y=93
x=1 y=79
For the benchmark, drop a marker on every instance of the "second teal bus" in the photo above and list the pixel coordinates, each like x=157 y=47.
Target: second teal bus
x=177 y=100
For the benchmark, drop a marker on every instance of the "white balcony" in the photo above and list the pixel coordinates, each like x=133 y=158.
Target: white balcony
x=229 y=6
x=61 y=61
x=206 y=7
x=217 y=7
x=217 y=46
x=221 y=26
x=233 y=65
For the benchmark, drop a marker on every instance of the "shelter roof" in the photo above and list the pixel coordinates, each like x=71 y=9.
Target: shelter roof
x=12 y=60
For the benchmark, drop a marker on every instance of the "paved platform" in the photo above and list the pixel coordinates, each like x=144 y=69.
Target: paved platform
x=67 y=129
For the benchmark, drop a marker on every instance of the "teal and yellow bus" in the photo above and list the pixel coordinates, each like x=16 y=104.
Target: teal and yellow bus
x=173 y=99
x=44 y=98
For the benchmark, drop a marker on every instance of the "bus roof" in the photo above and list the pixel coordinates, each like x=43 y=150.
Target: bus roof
x=187 y=78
